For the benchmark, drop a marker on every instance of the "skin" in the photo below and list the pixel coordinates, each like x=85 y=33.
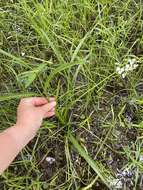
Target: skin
x=30 y=114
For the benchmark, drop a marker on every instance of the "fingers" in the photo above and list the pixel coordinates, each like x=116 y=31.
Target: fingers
x=52 y=99
x=53 y=109
x=37 y=101
x=48 y=107
x=49 y=114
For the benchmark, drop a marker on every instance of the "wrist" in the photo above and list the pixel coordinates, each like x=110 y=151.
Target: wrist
x=24 y=132
x=26 y=129
x=20 y=135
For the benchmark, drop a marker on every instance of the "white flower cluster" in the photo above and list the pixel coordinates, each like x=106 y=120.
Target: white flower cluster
x=130 y=66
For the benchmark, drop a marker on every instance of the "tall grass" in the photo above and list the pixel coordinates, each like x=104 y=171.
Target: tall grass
x=70 y=50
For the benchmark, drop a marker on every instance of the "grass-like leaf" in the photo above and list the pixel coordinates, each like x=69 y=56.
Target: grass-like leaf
x=59 y=69
x=100 y=170
x=16 y=59
x=29 y=76
x=4 y=97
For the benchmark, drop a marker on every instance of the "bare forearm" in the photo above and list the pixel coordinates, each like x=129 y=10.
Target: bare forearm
x=12 y=141
x=30 y=114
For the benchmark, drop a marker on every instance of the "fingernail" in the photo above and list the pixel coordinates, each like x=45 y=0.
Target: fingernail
x=53 y=104
x=53 y=108
x=52 y=99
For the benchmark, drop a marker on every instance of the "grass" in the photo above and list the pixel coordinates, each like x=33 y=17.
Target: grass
x=70 y=49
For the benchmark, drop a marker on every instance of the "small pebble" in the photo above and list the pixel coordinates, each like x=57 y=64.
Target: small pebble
x=116 y=183
x=50 y=160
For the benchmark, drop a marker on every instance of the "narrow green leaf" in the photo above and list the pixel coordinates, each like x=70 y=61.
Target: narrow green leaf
x=53 y=46
x=4 y=97
x=29 y=76
x=62 y=67
x=17 y=59
x=100 y=170
x=140 y=101
x=81 y=43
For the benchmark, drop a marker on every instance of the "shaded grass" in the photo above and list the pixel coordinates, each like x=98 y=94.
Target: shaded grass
x=70 y=50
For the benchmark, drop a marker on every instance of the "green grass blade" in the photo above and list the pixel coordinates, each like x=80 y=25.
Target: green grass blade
x=8 y=97
x=140 y=101
x=103 y=173
x=28 y=77
x=56 y=51
x=91 y=184
x=18 y=60
x=59 y=69
x=81 y=43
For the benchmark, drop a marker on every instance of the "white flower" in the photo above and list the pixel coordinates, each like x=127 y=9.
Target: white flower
x=127 y=67
x=123 y=75
x=129 y=60
x=22 y=54
x=132 y=61
x=117 y=69
x=135 y=66
x=130 y=66
x=121 y=70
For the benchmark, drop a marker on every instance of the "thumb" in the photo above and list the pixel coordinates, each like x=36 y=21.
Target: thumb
x=47 y=107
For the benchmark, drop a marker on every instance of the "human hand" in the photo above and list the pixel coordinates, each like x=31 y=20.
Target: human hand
x=31 y=112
